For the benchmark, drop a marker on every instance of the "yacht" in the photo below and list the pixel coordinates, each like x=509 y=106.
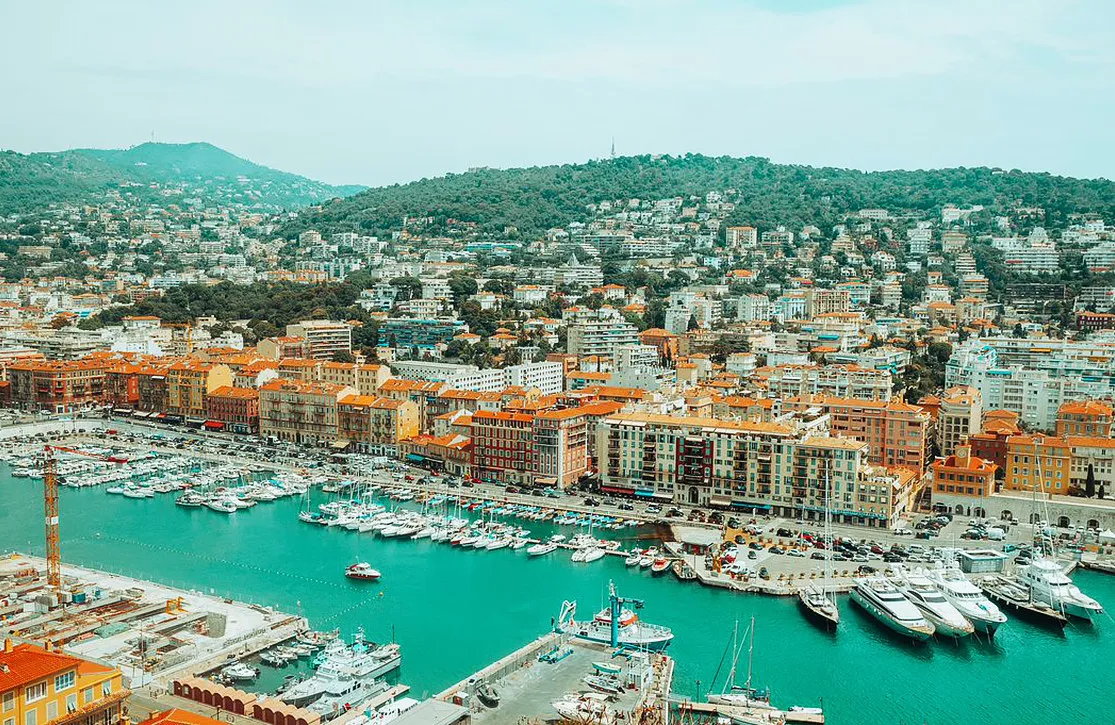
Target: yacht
x=968 y=599
x=542 y=549
x=945 y=618
x=819 y=606
x=1049 y=584
x=240 y=672
x=884 y=602
x=190 y=499
x=362 y=571
x=223 y=505
x=633 y=558
x=628 y=630
x=592 y=554
x=347 y=675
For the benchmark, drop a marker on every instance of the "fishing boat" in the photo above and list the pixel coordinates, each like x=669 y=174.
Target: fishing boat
x=542 y=549
x=945 y=618
x=614 y=625
x=968 y=599
x=362 y=571
x=633 y=558
x=882 y=600
x=1049 y=584
x=660 y=565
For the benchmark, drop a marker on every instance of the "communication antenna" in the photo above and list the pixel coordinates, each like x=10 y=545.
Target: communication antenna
x=613 y=147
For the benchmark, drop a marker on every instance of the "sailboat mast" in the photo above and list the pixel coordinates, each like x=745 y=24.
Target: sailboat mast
x=750 y=653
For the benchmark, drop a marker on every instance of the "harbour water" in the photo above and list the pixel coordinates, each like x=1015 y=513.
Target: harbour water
x=454 y=611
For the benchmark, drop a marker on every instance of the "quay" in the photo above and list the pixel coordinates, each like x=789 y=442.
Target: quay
x=552 y=668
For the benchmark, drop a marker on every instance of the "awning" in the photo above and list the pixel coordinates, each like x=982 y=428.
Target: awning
x=214 y=425
x=749 y=505
x=613 y=489
x=647 y=494
x=121 y=411
x=415 y=457
x=340 y=444
x=719 y=501
x=667 y=497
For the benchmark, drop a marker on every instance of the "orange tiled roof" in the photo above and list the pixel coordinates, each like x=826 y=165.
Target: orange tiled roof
x=28 y=663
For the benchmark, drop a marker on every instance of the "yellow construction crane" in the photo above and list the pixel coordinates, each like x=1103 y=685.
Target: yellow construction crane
x=50 y=504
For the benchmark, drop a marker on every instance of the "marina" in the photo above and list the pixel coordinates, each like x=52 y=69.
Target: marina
x=266 y=556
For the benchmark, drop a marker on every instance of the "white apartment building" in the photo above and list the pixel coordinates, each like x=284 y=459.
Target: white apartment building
x=752 y=308
x=740 y=238
x=324 y=338
x=1034 y=255
x=546 y=376
x=600 y=335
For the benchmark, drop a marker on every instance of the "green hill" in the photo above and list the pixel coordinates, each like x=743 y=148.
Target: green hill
x=33 y=181
x=534 y=199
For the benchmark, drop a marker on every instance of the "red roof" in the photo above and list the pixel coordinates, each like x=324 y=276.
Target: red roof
x=28 y=663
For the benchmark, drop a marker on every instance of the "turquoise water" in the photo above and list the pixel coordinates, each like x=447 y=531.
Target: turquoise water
x=455 y=611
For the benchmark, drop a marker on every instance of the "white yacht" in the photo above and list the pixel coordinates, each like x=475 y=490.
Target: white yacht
x=968 y=599
x=1048 y=583
x=347 y=671
x=946 y=619
x=883 y=601
x=542 y=549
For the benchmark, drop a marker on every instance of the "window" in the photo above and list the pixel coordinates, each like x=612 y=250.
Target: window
x=106 y=688
x=87 y=695
x=9 y=702
x=64 y=681
x=31 y=718
x=51 y=710
x=71 y=702
x=35 y=692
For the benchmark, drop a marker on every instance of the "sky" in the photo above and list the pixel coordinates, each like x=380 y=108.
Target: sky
x=377 y=92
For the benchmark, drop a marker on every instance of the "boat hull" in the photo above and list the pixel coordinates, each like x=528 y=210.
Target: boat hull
x=816 y=615
x=918 y=634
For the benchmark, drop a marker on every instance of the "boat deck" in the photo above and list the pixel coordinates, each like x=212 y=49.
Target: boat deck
x=527 y=691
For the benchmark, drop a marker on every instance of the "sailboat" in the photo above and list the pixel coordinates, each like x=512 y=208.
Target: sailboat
x=745 y=695
x=819 y=605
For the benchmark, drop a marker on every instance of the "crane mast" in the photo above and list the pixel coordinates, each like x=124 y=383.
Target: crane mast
x=50 y=506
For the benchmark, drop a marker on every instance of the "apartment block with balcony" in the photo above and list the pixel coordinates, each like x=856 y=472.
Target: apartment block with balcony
x=39 y=686
x=962 y=474
x=1085 y=418
x=1038 y=463
x=897 y=434
x=57 y=386
x=237 y=408
x=374 y=424
x=300 y=412
x=324 y=338
x=188 y=385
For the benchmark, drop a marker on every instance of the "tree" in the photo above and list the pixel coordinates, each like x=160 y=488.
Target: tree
x=344 y=356
x=1090 y=482
x=410 y=288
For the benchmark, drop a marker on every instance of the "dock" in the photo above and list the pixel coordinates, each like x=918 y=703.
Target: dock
x=552 y=668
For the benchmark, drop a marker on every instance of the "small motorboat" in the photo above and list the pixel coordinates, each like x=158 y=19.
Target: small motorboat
x=606 y=668
x=660 y=565
x=487 y=695
x=542 y=549
x=634 y=558
x=240 y=672
x=362 y=571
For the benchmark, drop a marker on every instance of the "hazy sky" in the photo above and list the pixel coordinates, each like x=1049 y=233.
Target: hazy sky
x=378 y=92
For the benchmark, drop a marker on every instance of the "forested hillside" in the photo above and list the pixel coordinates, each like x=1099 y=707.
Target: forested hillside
x=537 y=198
x=29 y=182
